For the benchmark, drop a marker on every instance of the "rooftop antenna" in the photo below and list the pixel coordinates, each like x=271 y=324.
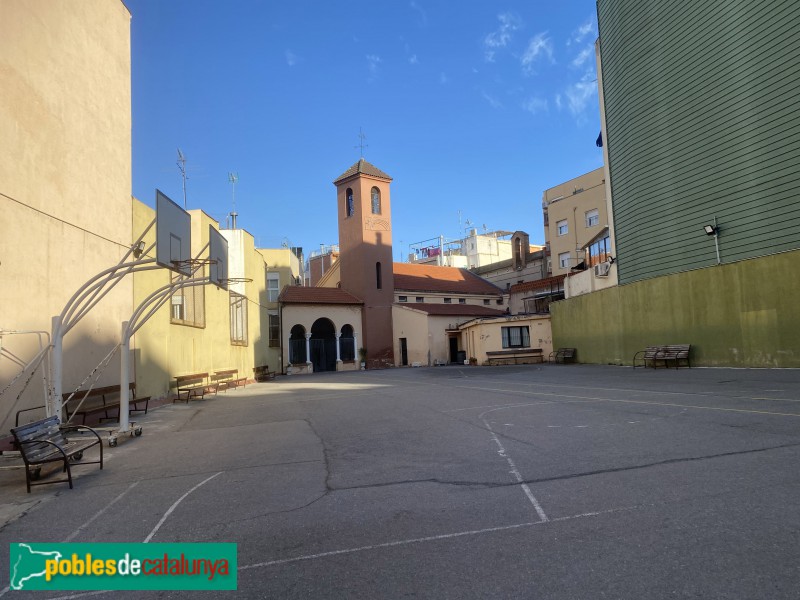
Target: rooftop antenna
x=361 y=144
x=233 y=178
x=182 y=167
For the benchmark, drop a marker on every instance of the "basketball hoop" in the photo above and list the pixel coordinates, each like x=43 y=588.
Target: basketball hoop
x=234 y=280
x=192 y=263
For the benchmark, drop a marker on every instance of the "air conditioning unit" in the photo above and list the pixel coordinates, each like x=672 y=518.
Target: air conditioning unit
x=602 y=269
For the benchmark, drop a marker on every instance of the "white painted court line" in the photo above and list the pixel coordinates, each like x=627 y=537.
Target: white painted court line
x=514 y=471
x=77 y=532
x=175 y=505
x=432 y=538
x=576 y=399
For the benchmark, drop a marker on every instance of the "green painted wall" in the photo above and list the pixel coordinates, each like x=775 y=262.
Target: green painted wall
x=739 y=315
x=702 y=122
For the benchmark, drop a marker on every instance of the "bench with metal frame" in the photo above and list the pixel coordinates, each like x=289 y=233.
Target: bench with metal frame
x=77 y=404
x=562 y=355
x=45 y=441
x=228 y=378
x=676 y=354
x=663 y=356
x=193 y=385
x=263 y=373
x=520 y=356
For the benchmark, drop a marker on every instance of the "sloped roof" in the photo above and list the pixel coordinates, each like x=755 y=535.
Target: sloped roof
x=538 y=284
x=294 y=294
x=430 y=278
x=362 y=167
x=460 y=310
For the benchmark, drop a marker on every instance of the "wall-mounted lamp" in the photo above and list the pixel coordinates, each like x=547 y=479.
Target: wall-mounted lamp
x=713 y=230
x=138 y=249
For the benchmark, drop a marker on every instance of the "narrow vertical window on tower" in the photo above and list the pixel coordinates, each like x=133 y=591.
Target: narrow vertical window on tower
x=376 y=201
x=349 y=207
x=378 y=281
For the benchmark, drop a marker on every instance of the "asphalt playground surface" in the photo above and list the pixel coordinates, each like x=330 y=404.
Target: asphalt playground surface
x=539 y=481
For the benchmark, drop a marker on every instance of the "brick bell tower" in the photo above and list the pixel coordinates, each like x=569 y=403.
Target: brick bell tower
x=365 y=246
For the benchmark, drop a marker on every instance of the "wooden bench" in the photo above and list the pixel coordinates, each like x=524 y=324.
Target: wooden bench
x=562 y=355
x=45 y=441
x=228 y=378
x=263 y=373
x=521 y=356
x=648 y=355
x=675 y=354
x=193 y=385
x=664 y=355
x=84 y=404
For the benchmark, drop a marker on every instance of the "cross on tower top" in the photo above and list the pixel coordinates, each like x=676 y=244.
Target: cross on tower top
x=361 y=144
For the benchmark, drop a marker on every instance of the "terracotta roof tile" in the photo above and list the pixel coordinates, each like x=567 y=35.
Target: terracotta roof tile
x=465 y=310
x=538 y=284
x=295 y=294
x=364 y=167
x=430 y=278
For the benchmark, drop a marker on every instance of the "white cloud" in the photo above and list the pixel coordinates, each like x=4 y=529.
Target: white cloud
x=577 y=36
x=582 y=56
x=558 y=102
x=493 y=102
x=579 y=94
x=373 y=63
x=423 y=17
x=291 y=58
x=540 y=45
x=535 y=105
x=500 y=37
x=414 y=60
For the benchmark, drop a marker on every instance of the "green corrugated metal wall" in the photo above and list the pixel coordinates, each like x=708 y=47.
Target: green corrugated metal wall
x=702 y=120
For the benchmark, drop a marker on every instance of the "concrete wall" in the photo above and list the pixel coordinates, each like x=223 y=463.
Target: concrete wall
x=738 y=315
x=65 y=177
x=586 y=281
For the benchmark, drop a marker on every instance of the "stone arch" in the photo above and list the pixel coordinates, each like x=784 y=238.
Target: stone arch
x=323 y=345
x=297 y=345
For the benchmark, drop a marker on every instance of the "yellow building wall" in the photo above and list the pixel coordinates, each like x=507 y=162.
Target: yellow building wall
x=283 y=262
x=163 y=349
x=65 y=178
x=569 y=202
x=482 y=336
x=413 y=325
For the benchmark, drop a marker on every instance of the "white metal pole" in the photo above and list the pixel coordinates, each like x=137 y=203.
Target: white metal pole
x=53 y=406
x=124 y=379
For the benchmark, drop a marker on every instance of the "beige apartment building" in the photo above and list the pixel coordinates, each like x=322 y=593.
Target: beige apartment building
x=65 y=117
x=575 y=212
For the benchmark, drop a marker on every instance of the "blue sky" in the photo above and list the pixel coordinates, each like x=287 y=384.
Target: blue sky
x=473 y=106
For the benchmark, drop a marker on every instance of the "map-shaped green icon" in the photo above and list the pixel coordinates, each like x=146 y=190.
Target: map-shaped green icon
x=28 y=564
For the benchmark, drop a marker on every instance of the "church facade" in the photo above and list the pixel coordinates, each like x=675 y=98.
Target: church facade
x=366 y=307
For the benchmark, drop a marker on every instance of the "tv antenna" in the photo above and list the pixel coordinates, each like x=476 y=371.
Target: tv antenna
x=233 y=178
x=361 y=144
x=182 y=168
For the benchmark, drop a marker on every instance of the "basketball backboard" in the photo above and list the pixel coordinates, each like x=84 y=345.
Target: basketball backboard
x=218 y=254
x=173 y=235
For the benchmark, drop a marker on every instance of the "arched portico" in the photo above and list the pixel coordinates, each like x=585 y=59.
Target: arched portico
x=323 y=345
